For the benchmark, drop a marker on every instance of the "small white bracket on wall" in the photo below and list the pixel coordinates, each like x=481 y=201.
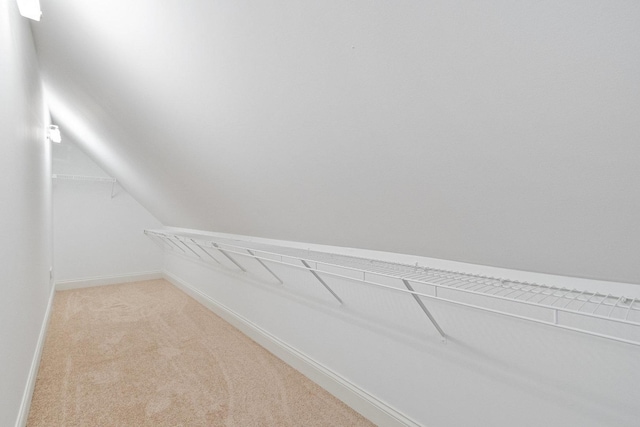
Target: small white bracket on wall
x=229 y=257
x=322 y=281
x=203 y=249
x=265 y=266
x=443 y=337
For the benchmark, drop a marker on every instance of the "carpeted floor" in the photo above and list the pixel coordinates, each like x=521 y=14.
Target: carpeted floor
x=146 y=354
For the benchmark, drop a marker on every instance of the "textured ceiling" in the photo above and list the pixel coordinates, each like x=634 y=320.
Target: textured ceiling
x=496 y=133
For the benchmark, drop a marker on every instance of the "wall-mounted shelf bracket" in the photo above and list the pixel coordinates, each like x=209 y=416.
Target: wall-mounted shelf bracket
x=174 y=243
x=265 y=266
x=187 y=246
x=158 y=240
x=229 y=257
x=321 y=281
x=605 y=316
x=443 y=337
x=205 y=251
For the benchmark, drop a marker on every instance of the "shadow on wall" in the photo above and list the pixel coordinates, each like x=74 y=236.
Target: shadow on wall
x=507 y=367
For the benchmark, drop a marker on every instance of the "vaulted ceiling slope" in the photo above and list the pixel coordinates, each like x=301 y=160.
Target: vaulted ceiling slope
x=501 y=133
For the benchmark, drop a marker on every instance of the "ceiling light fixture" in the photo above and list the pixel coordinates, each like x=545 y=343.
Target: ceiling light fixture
x=53 y=133
x=30 y=9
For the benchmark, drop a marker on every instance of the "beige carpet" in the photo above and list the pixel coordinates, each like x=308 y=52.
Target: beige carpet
x=146 y=354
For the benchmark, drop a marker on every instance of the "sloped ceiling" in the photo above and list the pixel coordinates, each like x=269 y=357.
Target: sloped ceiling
x=500 y=133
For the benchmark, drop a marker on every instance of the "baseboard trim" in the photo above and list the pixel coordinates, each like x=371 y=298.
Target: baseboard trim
x=25 y=405
x=372 y=408
x=88 y=282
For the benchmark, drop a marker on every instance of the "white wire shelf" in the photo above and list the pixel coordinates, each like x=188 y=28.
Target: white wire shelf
x=84 y=178
x=604 y=315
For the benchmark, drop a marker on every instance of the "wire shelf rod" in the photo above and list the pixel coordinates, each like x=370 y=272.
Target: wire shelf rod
x=600 y=303
x=575 y=298
x=423 y=282
x=473 y=306
x=475 y=287
x=498 y=287
x=538 y=293
x=461 y=290
x=440 y=280
x=614 y=306
x=443 y=272
x=629 y=310
x=467 y=283
x=543 y=291
x=445 y=282
x=562 y=296
x=552 y=294
x=518 y=295
x=470 y=285
x=412 y=276
x=513 y=290
x=587 y=300
x=573 y=311
x=471 y=282
x=68 y=177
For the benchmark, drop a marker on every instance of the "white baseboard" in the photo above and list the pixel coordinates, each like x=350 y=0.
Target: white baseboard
x=377 y=411
x=23 y=415
x=88 y=282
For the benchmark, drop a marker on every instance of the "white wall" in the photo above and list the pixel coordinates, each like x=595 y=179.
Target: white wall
x=25 y=215
x=97 y=236
x=493 y=371
x=497 y=132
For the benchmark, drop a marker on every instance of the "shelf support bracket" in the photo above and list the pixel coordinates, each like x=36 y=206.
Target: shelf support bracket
x=165 y=237
x=205 y=251
x=426 y=311
x=158 y=240
x=229 y=257
x=265 y=266
x=187 y=246
x=321 y=281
